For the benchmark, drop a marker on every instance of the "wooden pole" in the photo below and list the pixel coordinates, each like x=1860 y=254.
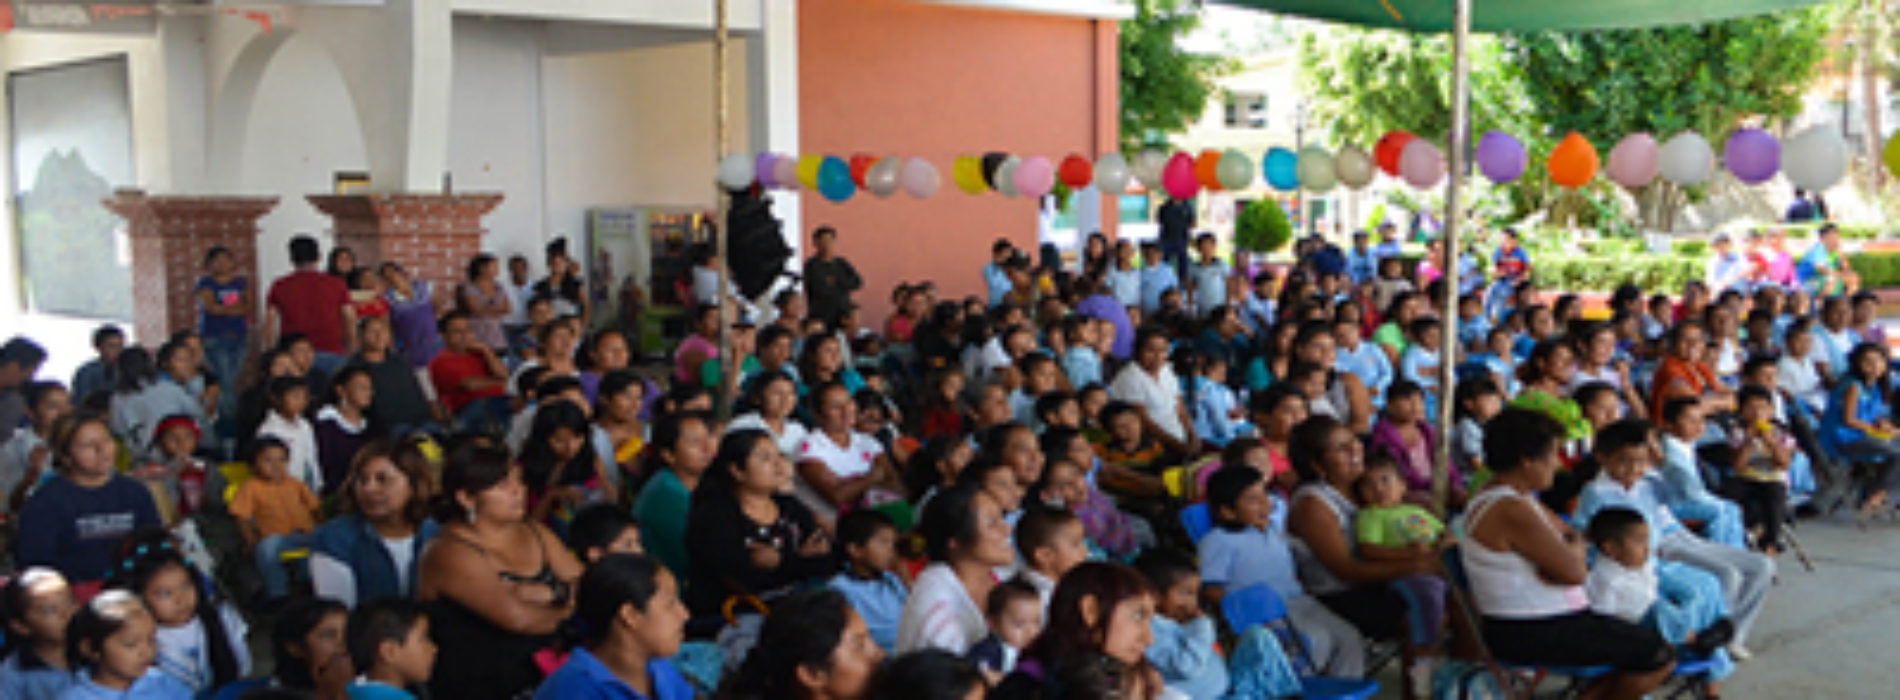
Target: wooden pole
x=1454 y=220
x=729 y=365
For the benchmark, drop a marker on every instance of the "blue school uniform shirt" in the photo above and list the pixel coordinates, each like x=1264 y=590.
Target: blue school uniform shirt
x=1125 y=285
x=77 y=530
x=585 y=677
x=1473 y=331
x=1210 y=285
x=154 y=685
x=996 y=279
x=1361 y=266
x=1371 y=364
x=1257 y=312
x=1212 y=402
x=1420 y=366
x=1235 y=559
x=880 y=601
x=1156 y=281
x=31 y=679
x=1186 y=657
x=1083 y=365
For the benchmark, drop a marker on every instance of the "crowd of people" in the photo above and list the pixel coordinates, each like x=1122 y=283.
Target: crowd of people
x=471 y=492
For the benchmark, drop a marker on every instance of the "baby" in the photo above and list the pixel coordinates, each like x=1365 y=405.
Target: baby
x=1014 y=614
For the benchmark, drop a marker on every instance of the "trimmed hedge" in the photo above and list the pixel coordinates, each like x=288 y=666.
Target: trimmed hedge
x=1878 y=269
x=1585 y=273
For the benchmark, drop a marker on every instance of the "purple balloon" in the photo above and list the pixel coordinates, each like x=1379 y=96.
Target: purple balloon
x=762 y=169
x=1753 y=155
x=1500 y=157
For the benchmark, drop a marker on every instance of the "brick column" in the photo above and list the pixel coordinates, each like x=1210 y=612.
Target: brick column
x=169 y=236
x=433 y=235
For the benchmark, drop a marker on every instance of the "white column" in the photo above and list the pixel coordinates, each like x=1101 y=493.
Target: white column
x=772 y=92
x=429 y=32
x=181 y=50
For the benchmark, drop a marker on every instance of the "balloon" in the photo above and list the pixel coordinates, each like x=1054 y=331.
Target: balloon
x=967 y=173
x=1422 y=164
x=1891 y=154
x=808 y=171
x=1814 y=159
x=1005 y=176
x=1035 y=176
x=1207 y=169
x=735 y=172
x=1389 y=148
x=1635 y=160
x=1752 y=155
x=920 y=178
x=1111 y=173
x=1573 y=162
x=1282 y=169
x=1235 y=170
x=834 y=179
x=860 y=166
x=762 y=169
x=1687 y=159
x=1178 y=177
x=1316 y=169
x=1075 y=171
x=785 y=172
x=1149 y=166
x=1501 y=157
x=992 y=161
x=881 y=178
x=1354 y=167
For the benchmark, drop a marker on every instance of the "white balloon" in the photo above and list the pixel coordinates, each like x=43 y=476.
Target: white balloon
x=1148 y=166
x=1316 y=169
x=881 y=178
x=1354 y=167
x=1687 y=159
x=735 y=171
x=1421 y=164
x=1814 y=159
x=1111 y=173
x=1006 y=176
x=1234 y=170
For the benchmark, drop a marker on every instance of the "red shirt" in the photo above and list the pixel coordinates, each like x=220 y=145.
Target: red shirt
x=311 y=303
x=447 y=371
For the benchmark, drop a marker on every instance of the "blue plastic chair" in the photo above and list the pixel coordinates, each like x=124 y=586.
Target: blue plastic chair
x=1259 y=605
x=1198 y=521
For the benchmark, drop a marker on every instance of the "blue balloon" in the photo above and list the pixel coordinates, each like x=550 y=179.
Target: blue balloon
x=1282 y=169
x=834 y=179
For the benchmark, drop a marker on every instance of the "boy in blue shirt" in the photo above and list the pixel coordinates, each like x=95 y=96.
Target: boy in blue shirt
x=1209 y=277
x=1156 y=278
x=389 y=644
x=867 y=542
x=1185 y=650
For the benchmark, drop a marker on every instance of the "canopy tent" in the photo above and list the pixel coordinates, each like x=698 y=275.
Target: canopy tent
x=1460 y=17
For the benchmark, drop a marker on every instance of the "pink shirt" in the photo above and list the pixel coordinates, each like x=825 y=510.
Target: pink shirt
x=683 y=373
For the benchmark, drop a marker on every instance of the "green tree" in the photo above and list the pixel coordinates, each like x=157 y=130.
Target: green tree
x=1163 y=88
x=1263 y=227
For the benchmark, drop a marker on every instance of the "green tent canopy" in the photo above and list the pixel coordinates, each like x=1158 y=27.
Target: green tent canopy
x=1521 y=15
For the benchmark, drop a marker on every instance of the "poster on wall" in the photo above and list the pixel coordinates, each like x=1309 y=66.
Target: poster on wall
x=71 y=148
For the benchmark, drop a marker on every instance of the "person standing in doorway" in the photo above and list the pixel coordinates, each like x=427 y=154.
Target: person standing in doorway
x=1177 y=220
x=829 y=279
x=313 y=304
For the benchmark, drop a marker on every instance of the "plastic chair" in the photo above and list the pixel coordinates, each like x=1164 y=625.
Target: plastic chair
x=1197 y=520
x=1259 y=605
x=1519 y=680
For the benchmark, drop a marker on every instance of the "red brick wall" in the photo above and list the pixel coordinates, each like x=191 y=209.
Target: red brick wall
x=432 y=235
x=169 y=237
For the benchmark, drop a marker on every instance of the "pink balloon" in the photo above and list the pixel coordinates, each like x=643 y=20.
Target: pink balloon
x=1421 y=164
x=920 y=178
x=1635 y=161
x=762 y=169
x=1177 y=177
x=1035 y=176
x=785 y=172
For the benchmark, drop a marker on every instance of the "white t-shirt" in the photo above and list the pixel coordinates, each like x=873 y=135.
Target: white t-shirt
x=1160 y=395
x=788 y=441
x=1799 y=378
x=302 y=441
x=939 y=614
x=519 y=294
x=844 y=462
x=1621 y=592
x=185 y=654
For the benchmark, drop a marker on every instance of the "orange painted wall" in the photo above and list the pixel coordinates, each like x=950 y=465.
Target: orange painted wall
x=905 y=78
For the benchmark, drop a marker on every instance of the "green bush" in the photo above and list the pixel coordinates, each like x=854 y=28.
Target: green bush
x=1880 y=269
x=1690 y=248
x=1263 y=227
x=1592 y=273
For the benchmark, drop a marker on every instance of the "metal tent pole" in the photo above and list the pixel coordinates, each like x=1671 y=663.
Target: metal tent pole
x=1454 y=220
x=728 y=365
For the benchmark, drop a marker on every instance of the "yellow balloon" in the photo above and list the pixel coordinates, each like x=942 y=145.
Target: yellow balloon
x=967 y=173
x=808 y=170
x=1891 y=155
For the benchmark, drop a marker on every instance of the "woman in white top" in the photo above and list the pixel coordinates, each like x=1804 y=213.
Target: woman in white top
x=773 y=398
x=838 y=466
x=1526 y=570
x=1148 y=382
x=966 y=538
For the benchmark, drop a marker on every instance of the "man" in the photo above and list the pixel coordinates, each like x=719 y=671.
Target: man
x=1176 y=219
x=1727 y=269
x=829 y=279
x=20 y=359
x=1361 y=264
x=996 y=273
x=1513 y=267
x=469 y=379
x=1823 y=270
x=100 y=372
x=1802 y=210
x=313 y=304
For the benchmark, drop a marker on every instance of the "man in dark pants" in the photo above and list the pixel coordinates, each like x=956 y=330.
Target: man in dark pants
x=1176 y=219
x=829 y=279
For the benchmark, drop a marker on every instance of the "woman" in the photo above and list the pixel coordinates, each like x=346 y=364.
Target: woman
x=911 y=305
x=1725 y=340
x=812 y=646
x=1683 y=373
x=497 y=584
x=1277 y=412
x=821 y=362
x=1329 y=459
x=559 y=465
x=839 y=467
x=311 y=653
x=342 y=262
x=1346 y=396
x=370 y=550
x=1275 y=356
x=1859 y=423
x=413 y=312
x=682 y=448
x=774 y=397
x=142 y=399
x=1527 y=570
x=617 y=413
x=1150 y=383
x=1544 y=376
x=486 y=301
x=1596 y=362
x=630 y=608
x=965 y=539
x=698 y=347
x=1094 y=641
x=748 y=539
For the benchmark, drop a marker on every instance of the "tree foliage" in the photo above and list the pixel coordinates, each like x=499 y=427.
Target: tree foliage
x=1364 y=83
x=1163 y=88
x=1263 y=227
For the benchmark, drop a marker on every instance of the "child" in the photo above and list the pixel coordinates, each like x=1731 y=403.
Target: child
x=1420 y=363
x=390 y=647
x=342 y=427
x=289 y=397
x=1132 y=451
x=1184 y=649
x=200 y=641
x=177 y=480
x=1390 y=283
x=1478 y=401
x=1389 y=528
x=600 y=529
x=1623 y=583
x=110 y=641
x=1081 y=362
x=944 y=411
x=24 y=459
x=1799 y=375
x=276 y=512
x=1404 y=433
x=36 y=604
x=1014 y=613
x=1209 y=276
x=1218 y=416
x=1157 y=277
x=1058 y=409
x=1688 y=497
x=1051 y=541
x=1763 y=453
x=1040 y=376
x=1472 y=325
x=867 y=543
x=1094 y=399
x=74 y=522
x=1066 y=484
x=1245 y=550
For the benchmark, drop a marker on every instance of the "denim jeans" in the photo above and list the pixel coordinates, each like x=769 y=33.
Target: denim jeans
x=224 y=354
x=329 y=363
x=268 y=556
x=488 y=415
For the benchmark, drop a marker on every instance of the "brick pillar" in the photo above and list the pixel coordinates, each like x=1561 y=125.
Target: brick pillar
x=169 y=236
x=433 y=235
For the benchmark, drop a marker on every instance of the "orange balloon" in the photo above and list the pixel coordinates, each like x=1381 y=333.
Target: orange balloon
x=1207 y=170
x=1573 y=162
